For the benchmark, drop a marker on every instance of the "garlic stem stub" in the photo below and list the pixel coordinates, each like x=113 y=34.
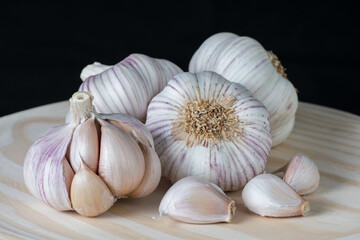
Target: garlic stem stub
x=193 y=200
x=127 y=87
x=268 y=195
x=302 y=174
x=204 y=125
x=243 y=60
x=101 y=156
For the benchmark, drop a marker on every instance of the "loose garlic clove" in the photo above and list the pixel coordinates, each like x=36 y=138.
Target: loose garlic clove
x=193 y=200
x=302 y=174
x=268 y=195
x=93 y=69
x=121 y=163
x=89 y=194
x=85 y=145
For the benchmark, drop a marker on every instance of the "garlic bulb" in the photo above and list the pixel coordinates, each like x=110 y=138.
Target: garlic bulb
x=268 y=195
x=302 y=174
x=193 y=200
x=117 y=147
x=128 y=86
x=206 y=126
x=244 y=60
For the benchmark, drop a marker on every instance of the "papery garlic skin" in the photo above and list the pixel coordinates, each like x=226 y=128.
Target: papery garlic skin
x=229 y=163
x=193 y=200
x=245 y=61
x=47 y=173
x=302 y=174
x=116 y=153
x=93 y=69
x=268 y=195
x=128 y=86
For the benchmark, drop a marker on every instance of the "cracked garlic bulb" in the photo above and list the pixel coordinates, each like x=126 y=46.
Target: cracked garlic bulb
x=92 y=160
x=243 y=60
x=204 y=125
x=127 y=87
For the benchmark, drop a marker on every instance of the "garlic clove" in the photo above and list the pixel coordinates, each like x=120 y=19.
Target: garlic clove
x=121 y=162
x=193 y=200
x=85 y=145
x=268 y=195
x=93 y=69
x=152 y=174
x=68 y=174
x=89 y=194
x=302 y=174
x=47 y=173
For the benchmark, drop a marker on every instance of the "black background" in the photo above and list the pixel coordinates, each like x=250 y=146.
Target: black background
x=43 y=47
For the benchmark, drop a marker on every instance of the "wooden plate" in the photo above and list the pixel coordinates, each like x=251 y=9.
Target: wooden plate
x=330 y=137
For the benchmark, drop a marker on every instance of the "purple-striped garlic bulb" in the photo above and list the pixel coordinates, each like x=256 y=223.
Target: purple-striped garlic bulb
x=127 y=87
x=245 y=61
x=204 y=125
x=86 y=164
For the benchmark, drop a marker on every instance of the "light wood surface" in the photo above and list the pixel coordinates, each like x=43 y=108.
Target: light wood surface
x=330 y=137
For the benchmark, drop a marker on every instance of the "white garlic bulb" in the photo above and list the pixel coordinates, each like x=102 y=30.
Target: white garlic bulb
x=194 y=200
x=128 y=86
x=268 y=195
x=117 y=147
x=206 y=126
x=302 y=174
x=244 y=60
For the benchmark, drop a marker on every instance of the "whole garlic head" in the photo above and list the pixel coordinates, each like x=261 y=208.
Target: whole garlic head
x=127 y=87
x=100 y=156
x=206 y=126
x=243 y=60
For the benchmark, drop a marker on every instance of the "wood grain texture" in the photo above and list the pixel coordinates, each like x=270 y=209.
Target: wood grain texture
x=330 y=137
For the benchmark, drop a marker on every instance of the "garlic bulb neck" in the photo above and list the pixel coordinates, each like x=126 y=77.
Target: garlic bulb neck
x=276 y=63
x=81 y=107
x=206 y=122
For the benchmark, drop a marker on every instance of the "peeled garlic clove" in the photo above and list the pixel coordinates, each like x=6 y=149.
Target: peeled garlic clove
x=121 y=163
x=243 y=60
x=152 y=173
x=89 y=194
x=204 y=125
x=302 y=174
x=47 y=173
x=93 y=69
x=128 y=87
x=85 y=145
x=268 y=195
x=193 y=200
